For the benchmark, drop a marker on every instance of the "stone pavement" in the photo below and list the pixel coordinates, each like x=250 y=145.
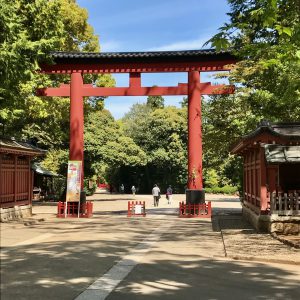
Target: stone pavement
x=160 y=256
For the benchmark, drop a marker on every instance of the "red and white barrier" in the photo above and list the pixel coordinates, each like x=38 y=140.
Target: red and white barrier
x=136 y=209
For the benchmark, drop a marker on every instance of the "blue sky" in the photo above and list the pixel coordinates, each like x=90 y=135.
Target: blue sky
x=153 y=25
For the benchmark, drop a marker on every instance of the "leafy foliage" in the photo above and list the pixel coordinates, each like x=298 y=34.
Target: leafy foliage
x=265 y=34
x=162 y=134
x=155 y=102
x=106 y=146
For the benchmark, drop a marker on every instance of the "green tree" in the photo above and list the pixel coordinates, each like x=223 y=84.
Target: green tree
x=31 y=30
x=155 y=102
x=107 y=149
x=266 y=36
x=162 y=134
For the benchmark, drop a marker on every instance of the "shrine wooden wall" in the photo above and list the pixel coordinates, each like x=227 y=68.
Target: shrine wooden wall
x=15 y=180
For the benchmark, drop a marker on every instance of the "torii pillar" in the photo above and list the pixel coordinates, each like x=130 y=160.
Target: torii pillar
x=76 y=120
x=194 y=192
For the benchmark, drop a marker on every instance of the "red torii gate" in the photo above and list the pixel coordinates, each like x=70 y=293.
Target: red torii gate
x=192 y=62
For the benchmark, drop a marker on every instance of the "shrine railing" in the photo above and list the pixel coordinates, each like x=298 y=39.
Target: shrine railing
x=285 y=204
x=202 y=210
x=86 y=209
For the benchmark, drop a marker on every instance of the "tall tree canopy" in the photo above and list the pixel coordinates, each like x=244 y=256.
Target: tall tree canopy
x=161 y=133
x=265 y=34
x=31 y=30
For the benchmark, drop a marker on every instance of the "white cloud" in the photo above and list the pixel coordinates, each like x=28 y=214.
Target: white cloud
x=110 y=46
x=182 y=45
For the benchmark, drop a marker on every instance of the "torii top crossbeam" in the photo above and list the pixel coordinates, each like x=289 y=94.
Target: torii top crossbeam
x=193 y=62
x=143 y=62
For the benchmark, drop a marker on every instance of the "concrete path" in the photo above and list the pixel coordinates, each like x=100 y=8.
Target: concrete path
x=161 y=256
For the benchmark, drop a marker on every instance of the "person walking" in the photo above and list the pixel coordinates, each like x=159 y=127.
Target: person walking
x=133 y=190
x=169 y=194
x=156 y=194
x=122 y=188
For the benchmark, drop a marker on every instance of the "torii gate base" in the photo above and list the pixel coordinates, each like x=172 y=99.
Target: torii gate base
x=195 y=196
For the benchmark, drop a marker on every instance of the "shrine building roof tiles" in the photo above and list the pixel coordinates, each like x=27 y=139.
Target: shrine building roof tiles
x=11 y=145
x=286 y=132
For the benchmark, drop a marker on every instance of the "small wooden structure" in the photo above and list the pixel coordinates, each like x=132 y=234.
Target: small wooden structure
x=43 y=183
x=271 y=181
x=16 y=177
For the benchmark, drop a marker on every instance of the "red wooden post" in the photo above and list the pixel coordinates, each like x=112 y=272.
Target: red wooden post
x=263 y=182
x=194 y=132
x=272 y=174
x=76 y=119
x=135 y=79
x=209 y=208
x=15 y=179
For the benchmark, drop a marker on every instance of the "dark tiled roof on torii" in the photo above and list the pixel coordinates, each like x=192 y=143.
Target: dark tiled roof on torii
x=152 y=61
x=163 y=54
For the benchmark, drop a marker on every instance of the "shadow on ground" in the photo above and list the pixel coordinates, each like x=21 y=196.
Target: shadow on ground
x=206 y=279
x=62 y=269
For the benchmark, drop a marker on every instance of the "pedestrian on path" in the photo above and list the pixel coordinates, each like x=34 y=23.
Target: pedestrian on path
x=156 y=194
x=169 y=194
x=122 y=188
x=133 y=190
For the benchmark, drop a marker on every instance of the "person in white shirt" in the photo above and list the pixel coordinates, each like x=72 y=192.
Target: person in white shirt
x=156 y=194
x=133 y=189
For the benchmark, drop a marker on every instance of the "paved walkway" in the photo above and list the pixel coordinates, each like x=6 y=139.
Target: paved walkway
x=161 y=256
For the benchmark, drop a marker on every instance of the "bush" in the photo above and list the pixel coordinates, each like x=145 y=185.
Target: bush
x=227 y=189
x=59 y=189
x=90 y=187
x=211 y=178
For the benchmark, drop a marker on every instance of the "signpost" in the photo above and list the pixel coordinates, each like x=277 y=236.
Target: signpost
x=74 y=183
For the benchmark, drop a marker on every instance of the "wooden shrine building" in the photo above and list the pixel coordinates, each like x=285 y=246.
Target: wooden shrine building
x=16 y=178
x=271 y=178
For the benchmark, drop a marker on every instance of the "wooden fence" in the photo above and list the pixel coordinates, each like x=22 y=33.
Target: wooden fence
x=86 y=209
x=194 y=210
x=284 y=204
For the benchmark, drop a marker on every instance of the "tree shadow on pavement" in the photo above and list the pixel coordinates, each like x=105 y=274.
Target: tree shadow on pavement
x=201 y=278
x=182 y=265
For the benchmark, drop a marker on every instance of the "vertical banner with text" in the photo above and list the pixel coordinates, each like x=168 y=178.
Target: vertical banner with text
x=74 y=180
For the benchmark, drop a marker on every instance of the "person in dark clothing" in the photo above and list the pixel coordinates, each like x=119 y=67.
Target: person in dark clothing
x=169 y=194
